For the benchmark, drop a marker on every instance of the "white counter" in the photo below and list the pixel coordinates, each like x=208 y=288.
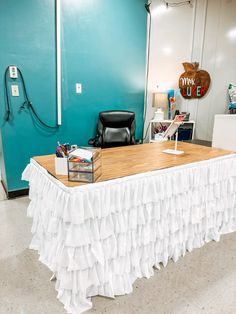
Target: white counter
x=224 y=132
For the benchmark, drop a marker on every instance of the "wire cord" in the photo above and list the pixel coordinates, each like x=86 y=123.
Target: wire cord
x=8 y=111
x=26 y=103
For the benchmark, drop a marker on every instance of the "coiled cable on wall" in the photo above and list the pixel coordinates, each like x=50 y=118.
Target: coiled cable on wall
x=26 y=103
x=8 y=109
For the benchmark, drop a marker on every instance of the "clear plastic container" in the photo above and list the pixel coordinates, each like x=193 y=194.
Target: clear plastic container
x=87 y=172
x=87 y=177
x=84 y=166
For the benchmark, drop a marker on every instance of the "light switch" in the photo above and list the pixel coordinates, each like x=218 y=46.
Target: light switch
x=78 y=88
x=15 y=90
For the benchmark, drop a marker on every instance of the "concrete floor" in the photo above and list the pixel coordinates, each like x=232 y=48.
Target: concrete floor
x=204 y=281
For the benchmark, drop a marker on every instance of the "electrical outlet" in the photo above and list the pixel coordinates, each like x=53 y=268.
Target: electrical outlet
x=13 y=71
x=78 y=88
x=15 y=90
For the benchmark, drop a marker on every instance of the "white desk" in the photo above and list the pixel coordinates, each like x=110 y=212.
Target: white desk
x=224 y=132
x=99 y=238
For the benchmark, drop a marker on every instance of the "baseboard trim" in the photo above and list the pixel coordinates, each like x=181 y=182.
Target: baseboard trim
x=16 y=193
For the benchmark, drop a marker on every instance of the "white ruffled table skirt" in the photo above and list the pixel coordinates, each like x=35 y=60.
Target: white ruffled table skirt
x=100 y=238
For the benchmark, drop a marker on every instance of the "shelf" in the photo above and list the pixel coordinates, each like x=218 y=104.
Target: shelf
x=169 y=121
x=158 y=141
x=186 y=126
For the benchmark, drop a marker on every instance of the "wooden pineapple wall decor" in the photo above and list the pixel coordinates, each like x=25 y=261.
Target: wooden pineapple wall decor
x=194 y=83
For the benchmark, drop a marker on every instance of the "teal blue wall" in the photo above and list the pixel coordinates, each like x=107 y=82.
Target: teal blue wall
x=103 y=47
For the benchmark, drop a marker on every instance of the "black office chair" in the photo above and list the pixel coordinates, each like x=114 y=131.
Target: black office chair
x=115 y=128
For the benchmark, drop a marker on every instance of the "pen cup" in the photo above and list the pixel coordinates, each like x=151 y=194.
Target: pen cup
x=61 y=166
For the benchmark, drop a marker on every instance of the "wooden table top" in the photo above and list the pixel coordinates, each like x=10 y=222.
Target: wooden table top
x=129 y=160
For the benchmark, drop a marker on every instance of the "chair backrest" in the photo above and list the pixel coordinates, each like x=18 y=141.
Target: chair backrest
x=116 y=128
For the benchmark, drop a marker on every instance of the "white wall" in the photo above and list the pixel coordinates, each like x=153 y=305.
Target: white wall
x=204 y=32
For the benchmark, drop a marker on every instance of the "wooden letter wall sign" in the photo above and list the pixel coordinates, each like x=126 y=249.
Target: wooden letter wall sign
x=194 y=83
